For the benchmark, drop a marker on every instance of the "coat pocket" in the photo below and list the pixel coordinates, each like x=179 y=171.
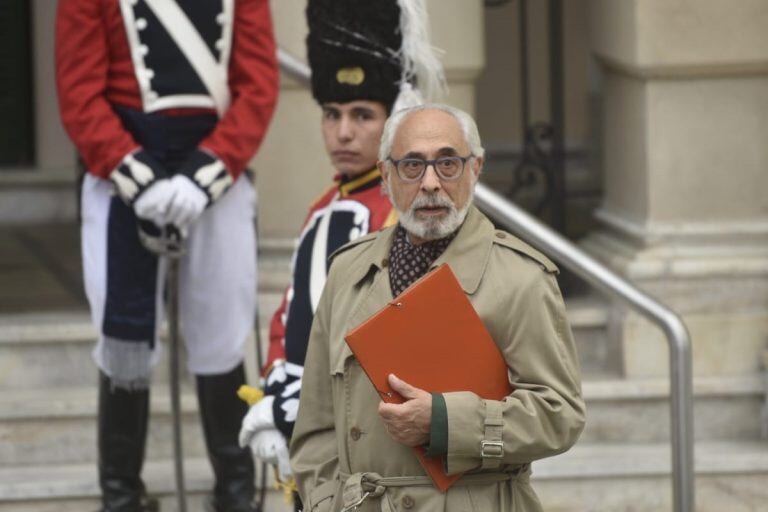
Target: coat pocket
x=493 y=496
x=323 y=497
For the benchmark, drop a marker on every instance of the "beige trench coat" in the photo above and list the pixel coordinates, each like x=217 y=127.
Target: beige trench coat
x=338 y=432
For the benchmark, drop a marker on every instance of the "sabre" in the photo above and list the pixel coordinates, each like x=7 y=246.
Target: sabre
x=169 y=242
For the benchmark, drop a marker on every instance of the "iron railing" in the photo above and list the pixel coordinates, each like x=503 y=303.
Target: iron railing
x=530 y=229
x=601 y=277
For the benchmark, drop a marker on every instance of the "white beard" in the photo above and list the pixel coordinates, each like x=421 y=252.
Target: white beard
x=433 y=228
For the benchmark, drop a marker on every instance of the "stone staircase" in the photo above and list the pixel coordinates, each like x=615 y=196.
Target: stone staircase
x=622 y=462
x=48 y=404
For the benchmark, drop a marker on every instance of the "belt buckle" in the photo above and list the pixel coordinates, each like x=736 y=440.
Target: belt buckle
x=492 y=449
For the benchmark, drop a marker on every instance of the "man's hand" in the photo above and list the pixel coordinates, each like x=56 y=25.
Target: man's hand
x=152 y=205
x=260 y=417
x=201 y=180
x=266 y=442
x=269 y=446
x=187 y=202
x=407 y=423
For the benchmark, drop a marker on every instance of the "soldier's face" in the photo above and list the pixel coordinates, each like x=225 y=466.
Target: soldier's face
x=352 y=132
x=430 y=208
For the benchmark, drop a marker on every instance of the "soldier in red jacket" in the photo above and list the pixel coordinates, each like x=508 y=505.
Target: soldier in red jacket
x=166 y=103
x=359 y=75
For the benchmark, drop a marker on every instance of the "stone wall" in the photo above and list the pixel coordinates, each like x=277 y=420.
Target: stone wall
x=685 y=213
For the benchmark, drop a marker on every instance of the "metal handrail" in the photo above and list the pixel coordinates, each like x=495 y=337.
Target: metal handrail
x=601 y=277
x=533 y=231
x=294 y=67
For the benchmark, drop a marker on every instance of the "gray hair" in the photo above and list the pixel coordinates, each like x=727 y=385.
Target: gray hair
x=468 y=127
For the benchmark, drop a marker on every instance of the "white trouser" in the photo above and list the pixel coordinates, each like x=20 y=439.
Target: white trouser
x=217 y=276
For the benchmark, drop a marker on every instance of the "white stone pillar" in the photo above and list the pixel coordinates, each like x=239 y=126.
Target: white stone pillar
x=686 y=172
x=54 y=151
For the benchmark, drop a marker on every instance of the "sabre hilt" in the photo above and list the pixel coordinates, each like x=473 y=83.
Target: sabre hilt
x=165 y=241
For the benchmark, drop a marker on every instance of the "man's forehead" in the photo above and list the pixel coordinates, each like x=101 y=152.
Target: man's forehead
x=430 y=129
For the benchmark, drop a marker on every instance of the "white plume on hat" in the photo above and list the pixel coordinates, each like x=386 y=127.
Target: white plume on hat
x=420 y=63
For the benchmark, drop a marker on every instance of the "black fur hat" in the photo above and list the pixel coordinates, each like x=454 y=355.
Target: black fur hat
x=356 y=51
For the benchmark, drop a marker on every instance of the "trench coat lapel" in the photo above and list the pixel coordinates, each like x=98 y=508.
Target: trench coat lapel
x=468 y=253
x=376 y=292
x=379 y=292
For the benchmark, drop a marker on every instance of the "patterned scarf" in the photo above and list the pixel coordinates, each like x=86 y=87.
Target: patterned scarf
x=408 y=262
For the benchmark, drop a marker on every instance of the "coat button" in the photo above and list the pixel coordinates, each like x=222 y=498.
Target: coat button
x=384 y=263
x=500 y=234
x=355 y=433
x=407 y=501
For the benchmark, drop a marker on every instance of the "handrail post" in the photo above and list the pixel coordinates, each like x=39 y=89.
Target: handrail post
x=681 y=403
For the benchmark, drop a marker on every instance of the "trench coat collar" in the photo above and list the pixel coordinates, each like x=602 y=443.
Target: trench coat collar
x=467 y=254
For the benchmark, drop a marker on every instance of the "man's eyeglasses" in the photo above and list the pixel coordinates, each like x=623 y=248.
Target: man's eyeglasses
x=448 y=168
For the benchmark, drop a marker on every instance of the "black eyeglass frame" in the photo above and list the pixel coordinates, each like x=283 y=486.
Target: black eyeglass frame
x=433 y=163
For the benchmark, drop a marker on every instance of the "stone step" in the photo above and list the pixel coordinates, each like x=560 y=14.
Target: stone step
x=609 y=478
x=38 y=196
x=43 y=426
x=59 y=427
x=275 y=263
x=639 y=411
x=599 y=356
x=41 y=350
x=730 y=475
x=74 y=487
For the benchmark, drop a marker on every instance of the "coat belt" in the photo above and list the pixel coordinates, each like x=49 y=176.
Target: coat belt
x=359 y=487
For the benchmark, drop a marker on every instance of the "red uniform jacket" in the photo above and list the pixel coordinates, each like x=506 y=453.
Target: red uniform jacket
x=115 y=52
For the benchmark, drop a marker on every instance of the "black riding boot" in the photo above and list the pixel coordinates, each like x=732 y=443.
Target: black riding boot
x=222 y=413
x=123 y=417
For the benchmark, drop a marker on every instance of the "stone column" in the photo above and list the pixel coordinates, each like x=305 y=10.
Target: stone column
x=292 y=167
x=685 y=215
x=54 y=150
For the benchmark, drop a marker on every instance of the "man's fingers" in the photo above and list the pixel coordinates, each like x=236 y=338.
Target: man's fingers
x=387 y=411
x=245 y=437
x=403 y=388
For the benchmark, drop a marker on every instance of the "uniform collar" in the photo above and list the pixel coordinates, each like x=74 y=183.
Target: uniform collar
x=467 y=254
x=358 y=183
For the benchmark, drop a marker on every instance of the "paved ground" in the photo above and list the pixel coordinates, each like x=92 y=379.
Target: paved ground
x=40 y=268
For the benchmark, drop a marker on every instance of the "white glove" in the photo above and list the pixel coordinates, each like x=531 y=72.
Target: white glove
x=152 y=205
x=270 y=447
x=259 y=417
x=187 y=203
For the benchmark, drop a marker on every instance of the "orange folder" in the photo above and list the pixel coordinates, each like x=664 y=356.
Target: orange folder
x=431 y=337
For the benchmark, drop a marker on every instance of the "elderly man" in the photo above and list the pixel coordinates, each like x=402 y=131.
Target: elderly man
x=357 y=85
x=346 y=442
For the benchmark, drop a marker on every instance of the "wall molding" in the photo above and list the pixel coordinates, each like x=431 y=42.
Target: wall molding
x=685 y=71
